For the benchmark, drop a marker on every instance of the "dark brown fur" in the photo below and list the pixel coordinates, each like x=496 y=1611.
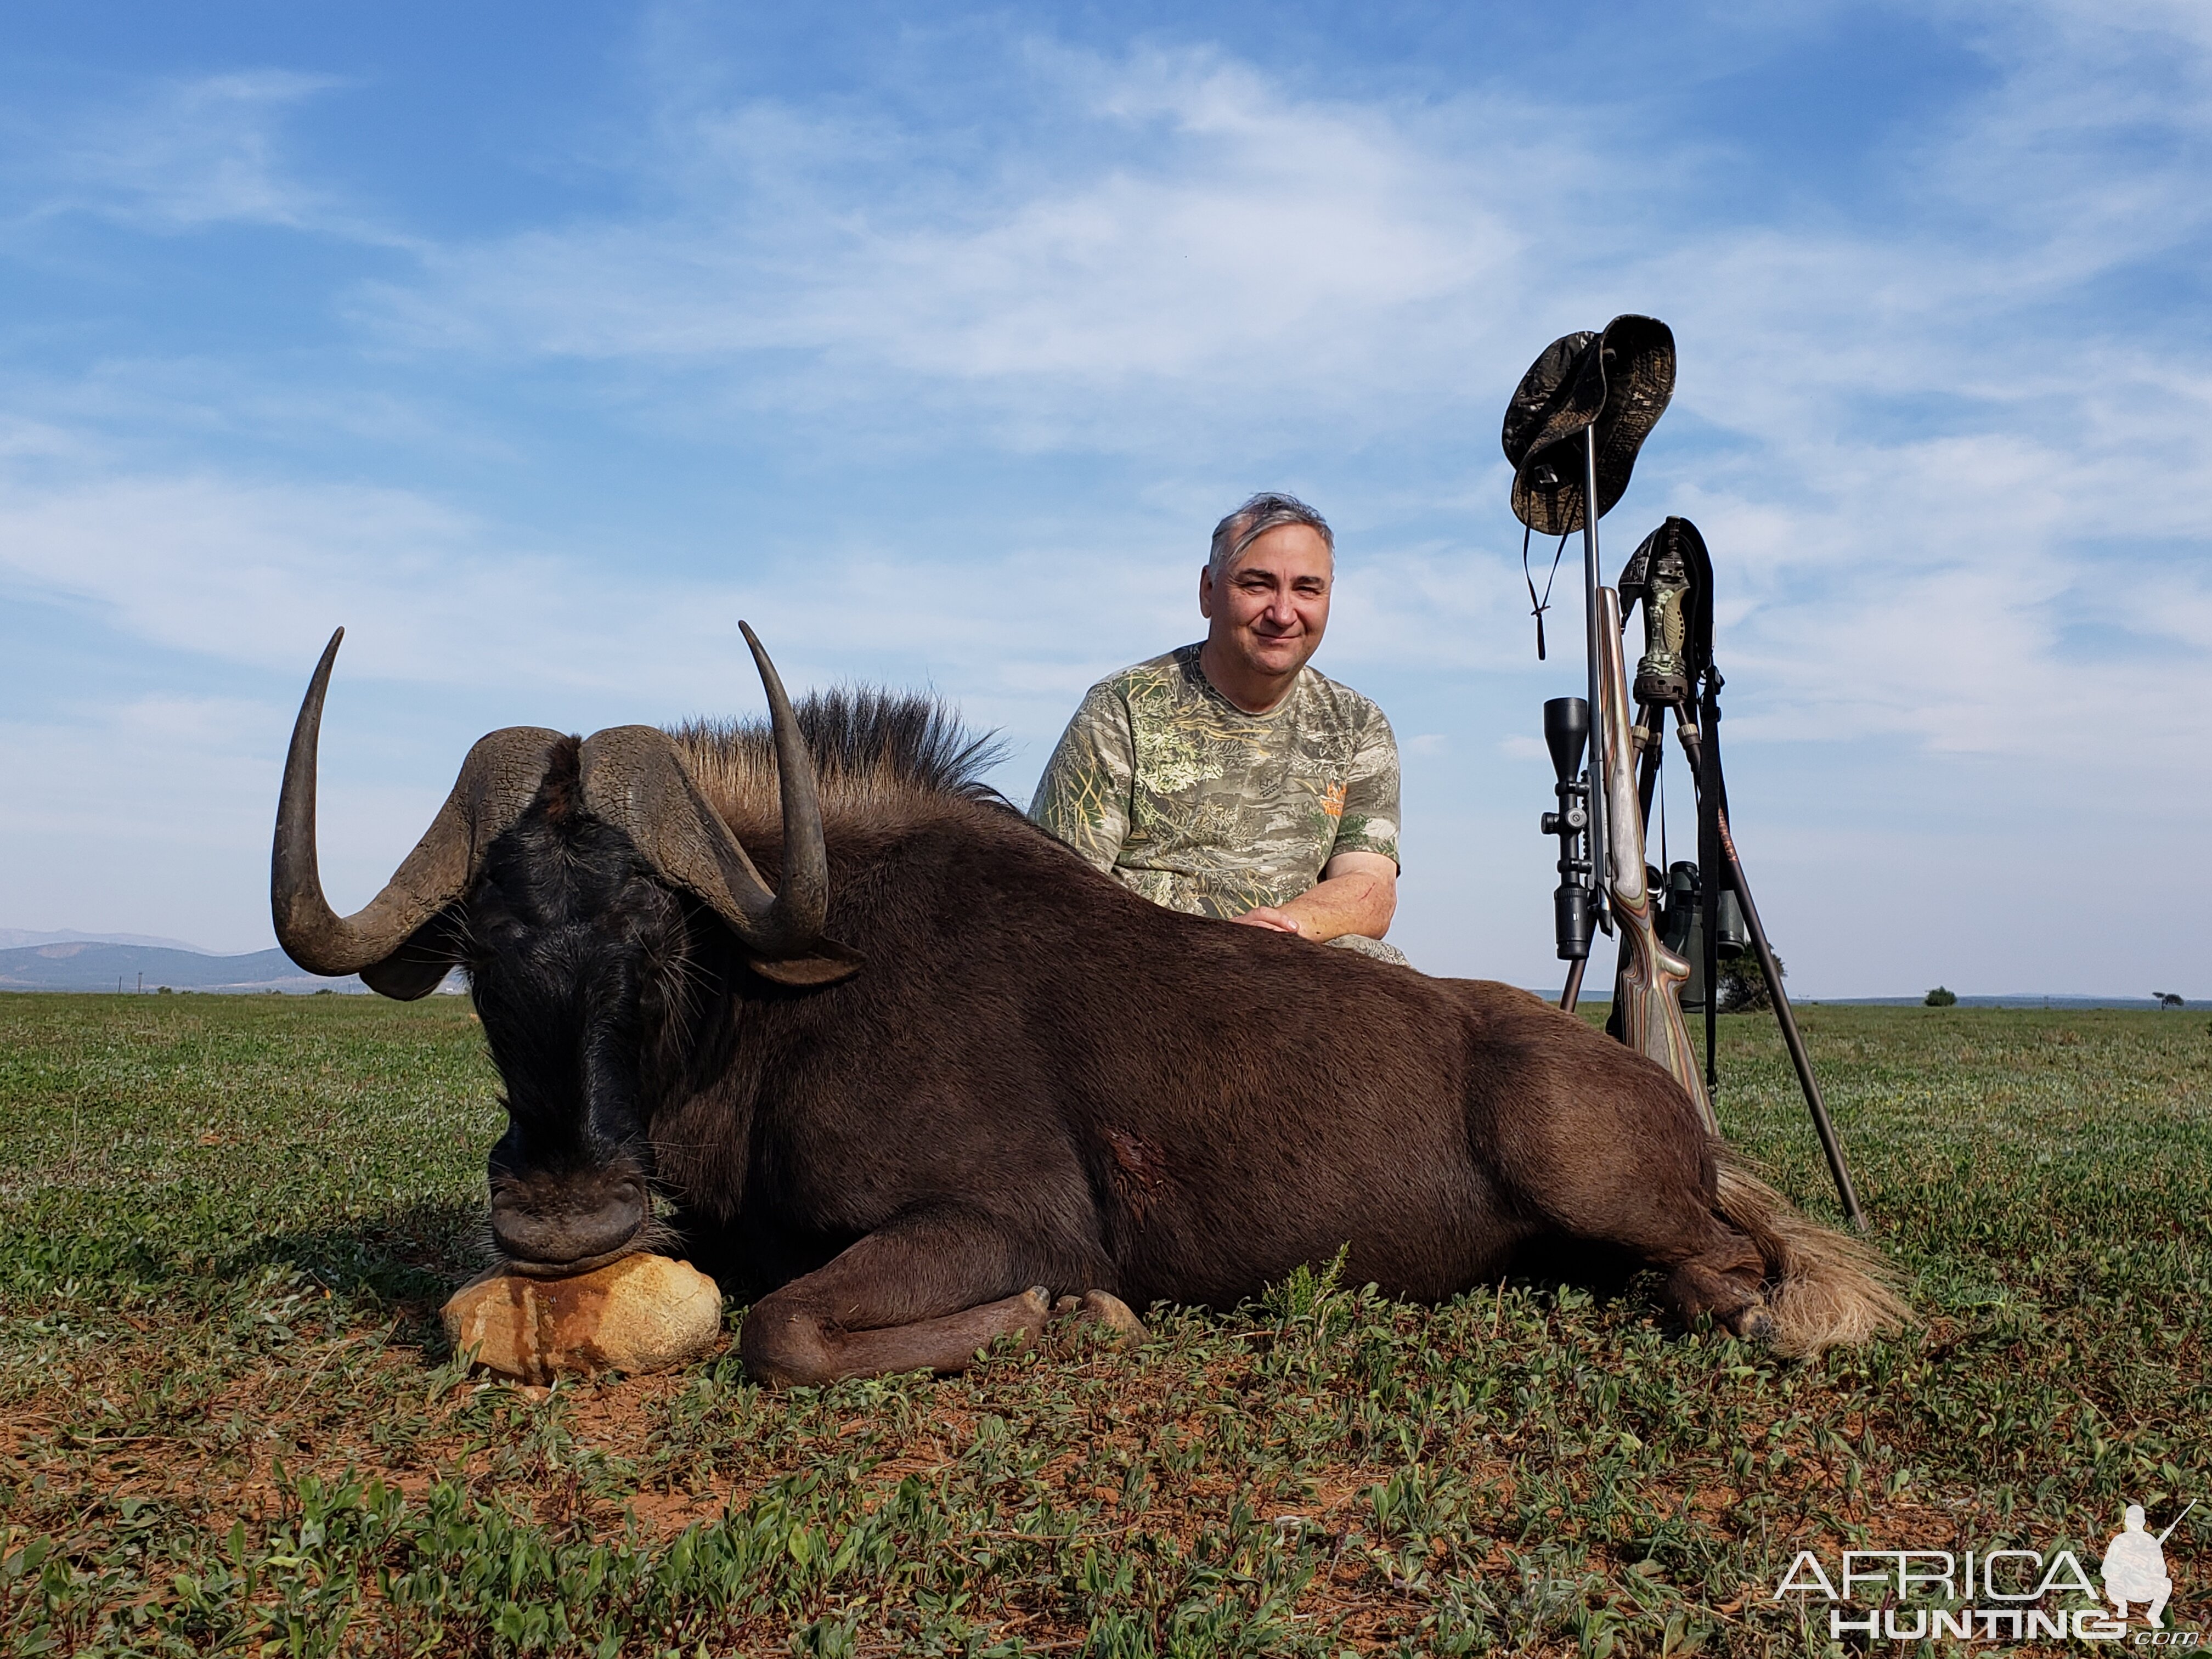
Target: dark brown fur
x=1040 y=1080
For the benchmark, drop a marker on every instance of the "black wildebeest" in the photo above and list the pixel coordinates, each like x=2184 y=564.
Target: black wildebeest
x=911 y=1065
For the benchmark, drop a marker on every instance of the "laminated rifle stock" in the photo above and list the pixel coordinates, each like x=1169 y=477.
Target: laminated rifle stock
x=1651 y=976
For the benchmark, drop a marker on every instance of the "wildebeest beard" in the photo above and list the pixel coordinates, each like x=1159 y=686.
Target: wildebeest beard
x=897 y=1084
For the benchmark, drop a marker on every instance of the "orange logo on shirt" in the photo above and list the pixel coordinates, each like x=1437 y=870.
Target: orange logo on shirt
x=1333 y=802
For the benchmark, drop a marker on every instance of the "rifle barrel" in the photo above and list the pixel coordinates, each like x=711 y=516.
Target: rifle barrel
x=1600 y=855
x=2178 y=1520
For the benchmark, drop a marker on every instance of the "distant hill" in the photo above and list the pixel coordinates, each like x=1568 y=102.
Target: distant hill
x=2015 y=1000
x=11 y=937
x=81 y=965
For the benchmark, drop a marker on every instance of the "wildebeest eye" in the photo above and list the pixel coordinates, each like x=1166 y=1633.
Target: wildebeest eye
x=500 y=932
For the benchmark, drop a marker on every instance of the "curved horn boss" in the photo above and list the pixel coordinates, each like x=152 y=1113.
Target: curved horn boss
x=497 y=782
x=634 y=777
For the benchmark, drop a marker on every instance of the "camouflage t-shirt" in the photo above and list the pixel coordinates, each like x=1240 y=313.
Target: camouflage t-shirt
x=1169 y=786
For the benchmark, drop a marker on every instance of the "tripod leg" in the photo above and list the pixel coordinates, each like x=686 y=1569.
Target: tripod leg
x=1788 y=1019
x=1705 y=778
x=1650 y=717
x=1783 y=1014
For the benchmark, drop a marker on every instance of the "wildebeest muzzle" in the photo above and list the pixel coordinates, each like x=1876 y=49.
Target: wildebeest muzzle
x=556 y=1224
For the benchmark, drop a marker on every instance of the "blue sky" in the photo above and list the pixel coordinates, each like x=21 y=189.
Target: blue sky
x=538 y=345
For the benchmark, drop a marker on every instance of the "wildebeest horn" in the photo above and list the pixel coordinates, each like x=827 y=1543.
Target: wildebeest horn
x=497 y=782
x=634 y=777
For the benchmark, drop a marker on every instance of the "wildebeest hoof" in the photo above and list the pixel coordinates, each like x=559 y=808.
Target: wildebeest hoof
x=1113 y=1317
x=1027 y=1315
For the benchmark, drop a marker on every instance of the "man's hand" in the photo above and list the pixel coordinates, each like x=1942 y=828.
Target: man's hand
x=1267 y=915
x=1357 y=894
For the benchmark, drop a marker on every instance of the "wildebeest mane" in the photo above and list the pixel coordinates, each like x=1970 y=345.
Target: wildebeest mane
x=874 y=750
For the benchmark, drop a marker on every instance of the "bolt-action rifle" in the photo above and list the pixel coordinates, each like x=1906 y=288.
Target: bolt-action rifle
x=1602 y=880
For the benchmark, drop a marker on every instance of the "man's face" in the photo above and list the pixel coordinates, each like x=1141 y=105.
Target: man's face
x=1269 y=607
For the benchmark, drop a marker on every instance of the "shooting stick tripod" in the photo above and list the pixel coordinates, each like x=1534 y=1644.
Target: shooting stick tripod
x=1705 y=767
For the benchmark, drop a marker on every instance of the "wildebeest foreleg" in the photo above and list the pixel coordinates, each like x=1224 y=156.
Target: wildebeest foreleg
x=923 y=1294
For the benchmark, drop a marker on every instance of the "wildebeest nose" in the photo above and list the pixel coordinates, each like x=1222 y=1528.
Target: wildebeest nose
x=566 y=1225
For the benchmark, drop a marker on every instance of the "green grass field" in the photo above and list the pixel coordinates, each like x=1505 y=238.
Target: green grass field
x=229 y=1423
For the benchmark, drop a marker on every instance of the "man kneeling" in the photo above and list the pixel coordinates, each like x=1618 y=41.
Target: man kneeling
x=1230 y=779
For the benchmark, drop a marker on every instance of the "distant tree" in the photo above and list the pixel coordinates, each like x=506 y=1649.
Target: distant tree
x=1940 y=998
x=2167 y=999
x=1743 y=985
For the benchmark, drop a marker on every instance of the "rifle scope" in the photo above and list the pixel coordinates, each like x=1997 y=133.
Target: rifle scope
x=1566 y=731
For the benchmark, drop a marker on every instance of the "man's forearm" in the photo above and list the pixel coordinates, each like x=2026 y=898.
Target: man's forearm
x=1358 y=901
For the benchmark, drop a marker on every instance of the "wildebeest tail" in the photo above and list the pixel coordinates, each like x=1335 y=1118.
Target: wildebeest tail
x=1823 y=1289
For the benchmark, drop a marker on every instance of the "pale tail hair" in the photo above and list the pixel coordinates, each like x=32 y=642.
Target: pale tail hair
x=1823 y=1289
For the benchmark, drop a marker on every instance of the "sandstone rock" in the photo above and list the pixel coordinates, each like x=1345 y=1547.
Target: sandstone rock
x=643 y=1313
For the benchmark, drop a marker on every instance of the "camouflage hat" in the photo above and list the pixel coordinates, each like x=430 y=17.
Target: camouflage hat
x=1617 y=381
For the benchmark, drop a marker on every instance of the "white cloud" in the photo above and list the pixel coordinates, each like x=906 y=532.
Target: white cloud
x=184 y=154
x=257 y=574
x=1191 y=230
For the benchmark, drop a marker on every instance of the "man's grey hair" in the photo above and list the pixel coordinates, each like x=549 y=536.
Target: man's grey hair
x=1268 y=510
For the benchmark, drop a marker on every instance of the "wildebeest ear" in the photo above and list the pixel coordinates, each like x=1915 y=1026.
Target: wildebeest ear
x=828 y=963
x=416 y=968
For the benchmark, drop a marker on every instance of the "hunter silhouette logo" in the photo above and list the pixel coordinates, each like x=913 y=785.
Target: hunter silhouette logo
x=2011 y=1594
x=2134 y=1566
